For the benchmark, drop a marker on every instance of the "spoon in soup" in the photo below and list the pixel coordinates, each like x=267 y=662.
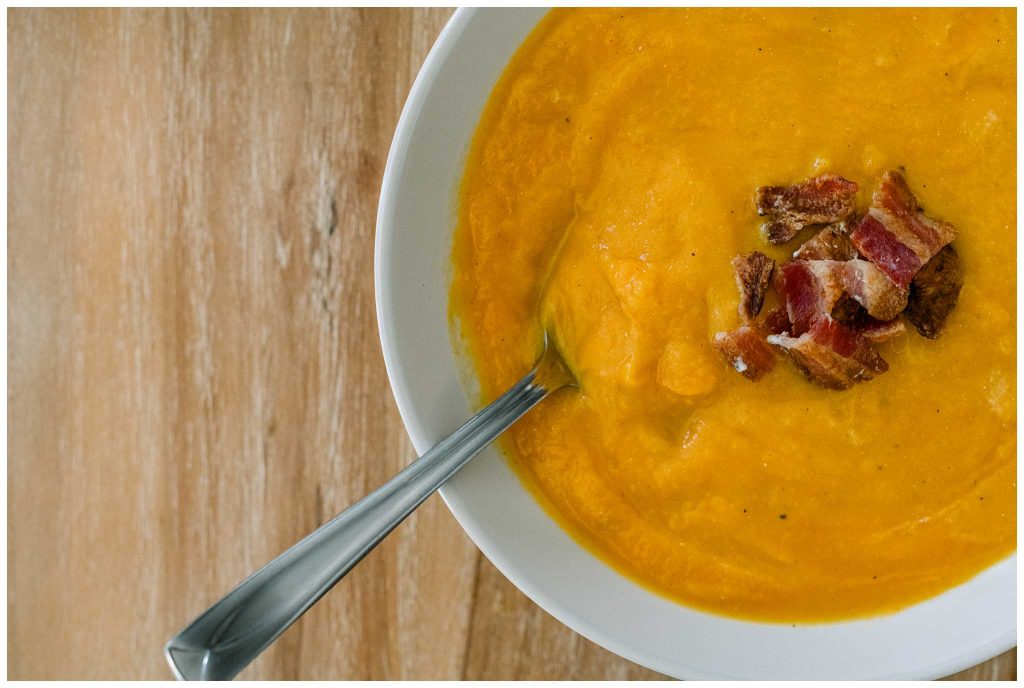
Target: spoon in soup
x=221 y=641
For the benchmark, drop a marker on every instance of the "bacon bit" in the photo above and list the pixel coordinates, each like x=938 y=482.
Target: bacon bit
x=746 y=351
x=753 y=276
x=831 y=243
x=881 y=247
x=849 y=313
x=811 y=288
x=934 y=293
x=878 y=331
x=895 y=234
x=872 y=289
x=819 y=200
x=832 y=355
x=775 y=322
x=806 y=293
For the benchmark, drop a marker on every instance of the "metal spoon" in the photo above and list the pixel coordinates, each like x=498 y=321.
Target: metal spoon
x=231 y=633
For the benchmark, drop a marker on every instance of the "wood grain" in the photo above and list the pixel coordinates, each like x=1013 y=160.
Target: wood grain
x=195 y=379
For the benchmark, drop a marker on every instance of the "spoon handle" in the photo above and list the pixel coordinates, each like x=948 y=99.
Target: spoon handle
x=231 y=633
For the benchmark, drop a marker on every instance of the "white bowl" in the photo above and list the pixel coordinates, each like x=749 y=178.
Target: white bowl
x=958 y=629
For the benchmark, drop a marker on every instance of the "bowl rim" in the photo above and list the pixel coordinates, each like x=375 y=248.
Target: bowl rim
x=433 y=64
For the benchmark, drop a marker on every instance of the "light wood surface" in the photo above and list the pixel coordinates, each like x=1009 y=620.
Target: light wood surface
x=195 y=379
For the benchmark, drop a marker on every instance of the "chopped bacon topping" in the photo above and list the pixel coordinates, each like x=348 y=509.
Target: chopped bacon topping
x=846 y=286
x=811 y=288
x=896 y=235
x=832 y=355
x=831 y=243
x=828 y=198
x=746 y=351
x=753 y=276
x=934 y=293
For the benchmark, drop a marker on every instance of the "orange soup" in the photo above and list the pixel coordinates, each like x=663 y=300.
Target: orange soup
x=610 y=182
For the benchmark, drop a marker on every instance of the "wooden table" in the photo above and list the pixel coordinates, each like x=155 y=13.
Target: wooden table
x=195 y=379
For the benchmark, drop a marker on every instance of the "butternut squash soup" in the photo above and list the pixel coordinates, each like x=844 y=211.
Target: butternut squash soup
x=609 y=186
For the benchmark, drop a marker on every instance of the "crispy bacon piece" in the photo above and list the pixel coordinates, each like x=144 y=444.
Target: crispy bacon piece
x=746 y=351
x=880 y=246
x=850 y=314
x=832 y=355
x=896 y=235
x=810 y=288
x=753 y=276
x=806 y=292
x=831 y=243
x=878 y=331
x=871 y=289
x=819 y=200
x=934 y=293
x=775 y=322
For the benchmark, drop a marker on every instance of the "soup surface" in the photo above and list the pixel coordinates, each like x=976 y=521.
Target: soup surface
x=609 y=184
